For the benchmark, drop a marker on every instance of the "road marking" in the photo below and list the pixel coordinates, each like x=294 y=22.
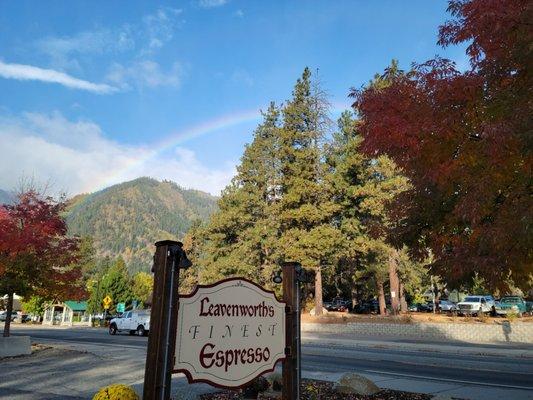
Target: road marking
x=449 y=380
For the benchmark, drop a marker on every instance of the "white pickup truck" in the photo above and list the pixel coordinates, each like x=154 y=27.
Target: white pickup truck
x=133 y=322
x=476 y=305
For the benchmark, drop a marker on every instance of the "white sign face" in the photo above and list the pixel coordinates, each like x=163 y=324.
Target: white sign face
x=229 y=333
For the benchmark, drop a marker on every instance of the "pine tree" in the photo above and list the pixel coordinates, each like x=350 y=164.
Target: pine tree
x=240 y=237
x=307 y=234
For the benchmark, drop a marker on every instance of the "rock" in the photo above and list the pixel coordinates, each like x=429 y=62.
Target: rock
x=342 y=389
x=357 y=384
x=276 y=380
x=324 y=311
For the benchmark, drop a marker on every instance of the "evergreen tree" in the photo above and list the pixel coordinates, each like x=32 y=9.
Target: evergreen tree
x=305 y=208
x=240 y=238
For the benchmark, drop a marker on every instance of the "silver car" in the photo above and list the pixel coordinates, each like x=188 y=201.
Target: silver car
x=447 y=306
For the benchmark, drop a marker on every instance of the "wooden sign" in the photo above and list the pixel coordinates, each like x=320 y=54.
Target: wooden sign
x=229 y=333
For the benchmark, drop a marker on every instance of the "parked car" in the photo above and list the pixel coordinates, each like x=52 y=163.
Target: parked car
x=137 y=321
x=476 y=305
x=529 y=307
x=367 y=307
x=421 y=307
x=338 y=304
x=511 y=304
x=3 y=316
x=446 y=306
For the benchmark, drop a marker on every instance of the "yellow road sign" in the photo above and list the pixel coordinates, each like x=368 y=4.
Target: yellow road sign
x=107 y=302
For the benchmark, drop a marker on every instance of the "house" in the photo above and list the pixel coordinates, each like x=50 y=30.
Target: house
x=69 y=313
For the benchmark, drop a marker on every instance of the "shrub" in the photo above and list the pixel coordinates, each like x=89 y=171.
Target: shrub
x=116 y=392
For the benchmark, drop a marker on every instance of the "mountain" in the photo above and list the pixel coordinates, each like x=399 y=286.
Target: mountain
x=6 y=197
x=126 y=219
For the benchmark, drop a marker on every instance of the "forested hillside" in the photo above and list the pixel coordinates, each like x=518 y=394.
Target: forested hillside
x=126 y=219
x=6 y=197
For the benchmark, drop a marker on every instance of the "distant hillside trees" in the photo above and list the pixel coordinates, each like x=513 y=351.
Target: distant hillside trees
x=127 y=219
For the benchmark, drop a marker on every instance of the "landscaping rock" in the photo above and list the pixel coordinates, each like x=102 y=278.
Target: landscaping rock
x=357 y=384
x=313 y=312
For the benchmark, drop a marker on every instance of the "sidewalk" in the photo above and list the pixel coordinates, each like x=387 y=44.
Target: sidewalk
x=515 y=350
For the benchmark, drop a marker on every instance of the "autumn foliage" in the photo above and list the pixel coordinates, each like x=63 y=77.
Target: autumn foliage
x=464 y=140
x=36 y=255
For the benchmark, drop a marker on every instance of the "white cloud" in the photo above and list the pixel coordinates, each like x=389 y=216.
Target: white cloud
x=211 y=3
x=239 y=13
x=98 y=41
x=144 y=74
x=158 y=28
x=24 y=72
x=76 y=156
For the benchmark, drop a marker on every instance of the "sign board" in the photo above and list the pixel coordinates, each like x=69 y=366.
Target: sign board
x=107 y=302
x=121 y=307
x=229 y=333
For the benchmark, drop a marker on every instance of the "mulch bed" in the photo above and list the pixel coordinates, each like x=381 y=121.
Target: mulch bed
x=321 y=390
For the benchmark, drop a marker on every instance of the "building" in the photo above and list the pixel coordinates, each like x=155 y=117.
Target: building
x=69 y=313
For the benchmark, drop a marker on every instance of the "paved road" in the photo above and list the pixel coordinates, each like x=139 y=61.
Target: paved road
x=458 y=374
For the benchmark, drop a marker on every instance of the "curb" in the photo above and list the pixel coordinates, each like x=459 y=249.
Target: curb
x=426 y=348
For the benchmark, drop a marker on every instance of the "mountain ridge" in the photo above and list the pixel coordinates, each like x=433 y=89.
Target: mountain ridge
x=128 y=218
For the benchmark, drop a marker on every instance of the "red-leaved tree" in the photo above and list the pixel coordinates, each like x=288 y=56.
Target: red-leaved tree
x=464 y=140
x=36 y=255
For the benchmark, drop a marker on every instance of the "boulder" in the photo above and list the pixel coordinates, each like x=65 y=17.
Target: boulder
x=353 y=383
x=13 y=346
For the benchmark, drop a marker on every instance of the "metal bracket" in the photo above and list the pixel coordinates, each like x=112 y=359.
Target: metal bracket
x=288 y=351
x=288 y=309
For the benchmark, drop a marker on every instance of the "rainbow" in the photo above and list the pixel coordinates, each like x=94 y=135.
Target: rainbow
x=178 y=138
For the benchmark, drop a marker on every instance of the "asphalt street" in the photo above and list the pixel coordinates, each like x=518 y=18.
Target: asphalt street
x=460 y=374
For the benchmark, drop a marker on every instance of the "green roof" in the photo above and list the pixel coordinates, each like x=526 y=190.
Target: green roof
x=76 y=305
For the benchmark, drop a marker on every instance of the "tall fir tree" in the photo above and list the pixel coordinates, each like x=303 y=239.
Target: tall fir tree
x=307 y=234
x=240 y=238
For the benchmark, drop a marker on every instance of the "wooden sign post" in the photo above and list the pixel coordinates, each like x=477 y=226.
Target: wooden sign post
x=292 y=373
x=168 y=259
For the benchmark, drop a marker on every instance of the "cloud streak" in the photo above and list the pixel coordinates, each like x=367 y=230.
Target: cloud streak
x=24 y=72
x=211 y=3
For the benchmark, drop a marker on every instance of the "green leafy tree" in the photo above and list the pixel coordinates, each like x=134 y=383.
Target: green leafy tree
x=34 y=305
x=143 y=284
x=117 y=284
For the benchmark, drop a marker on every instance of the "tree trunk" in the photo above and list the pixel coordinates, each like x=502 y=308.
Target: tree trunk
x=9 y=312
x=381 y=297
x=318 y=291
x=403 y=301
x=394 y=283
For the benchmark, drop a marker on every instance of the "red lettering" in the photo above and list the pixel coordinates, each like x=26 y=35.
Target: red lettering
x=204 y=356
x=266 y=354
x=202 y=312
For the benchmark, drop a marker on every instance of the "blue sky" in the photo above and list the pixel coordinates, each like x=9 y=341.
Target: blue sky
x=93 y=93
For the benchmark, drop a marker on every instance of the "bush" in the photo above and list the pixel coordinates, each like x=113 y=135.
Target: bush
x=258 y=385
x=116 y=392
